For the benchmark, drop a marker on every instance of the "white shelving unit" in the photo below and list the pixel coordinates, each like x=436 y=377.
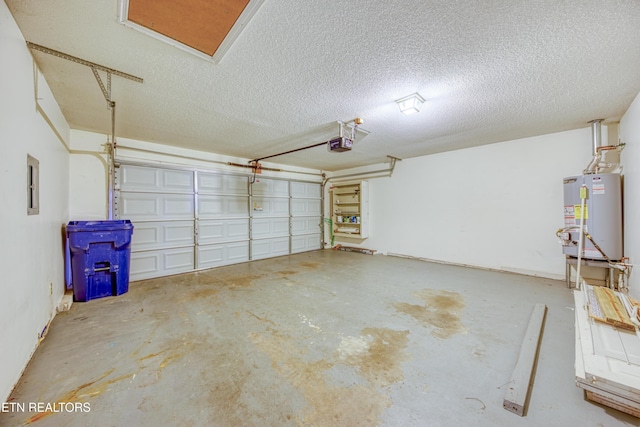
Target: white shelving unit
x=350 y=209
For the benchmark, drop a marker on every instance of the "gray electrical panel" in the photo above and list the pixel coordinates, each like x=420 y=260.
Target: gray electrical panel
x=602 y=216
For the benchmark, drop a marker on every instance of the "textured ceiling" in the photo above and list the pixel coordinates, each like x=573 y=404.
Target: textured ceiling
x=490 y=72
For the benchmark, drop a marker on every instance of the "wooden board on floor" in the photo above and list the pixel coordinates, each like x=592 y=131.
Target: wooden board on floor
x=517 y=394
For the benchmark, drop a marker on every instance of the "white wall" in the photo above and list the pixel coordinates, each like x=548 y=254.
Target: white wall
x=31 y=254
x=496 y=206
x=629 y=132
x=88 y=173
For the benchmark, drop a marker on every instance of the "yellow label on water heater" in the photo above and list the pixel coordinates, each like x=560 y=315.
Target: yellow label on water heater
x=577 y=209
x=583 y=192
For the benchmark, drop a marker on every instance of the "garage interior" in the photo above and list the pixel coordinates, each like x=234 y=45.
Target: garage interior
x=303 y=251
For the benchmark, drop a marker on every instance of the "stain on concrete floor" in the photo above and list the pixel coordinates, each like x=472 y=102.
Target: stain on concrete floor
x=310 y=265
x=441 y=311
x=377 y=355
x=200 y=293
x=381 y=363
x=285 y=273
x=81 y=393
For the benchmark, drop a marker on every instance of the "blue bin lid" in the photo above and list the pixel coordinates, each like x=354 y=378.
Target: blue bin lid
x=106 y=225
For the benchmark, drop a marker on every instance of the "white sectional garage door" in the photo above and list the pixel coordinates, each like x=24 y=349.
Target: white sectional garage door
x=223 y=219
x=161 y=205
x=186 y=220
x=270 y=218
x=306 y=216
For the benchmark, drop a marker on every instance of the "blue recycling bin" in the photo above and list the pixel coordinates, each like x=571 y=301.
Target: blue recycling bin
x=100 y=255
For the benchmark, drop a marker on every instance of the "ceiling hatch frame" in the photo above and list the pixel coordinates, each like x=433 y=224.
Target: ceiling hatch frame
x=243 y=19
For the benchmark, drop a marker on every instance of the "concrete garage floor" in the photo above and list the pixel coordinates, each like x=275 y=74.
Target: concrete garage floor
x=323 y=338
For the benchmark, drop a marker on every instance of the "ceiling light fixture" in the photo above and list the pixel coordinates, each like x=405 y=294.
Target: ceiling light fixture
x=410 y=104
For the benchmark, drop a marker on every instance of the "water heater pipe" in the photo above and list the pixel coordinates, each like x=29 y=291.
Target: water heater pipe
x=583 y=196
x=596 y=137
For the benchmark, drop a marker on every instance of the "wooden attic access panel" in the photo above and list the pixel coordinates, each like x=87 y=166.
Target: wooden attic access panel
x=199 y=24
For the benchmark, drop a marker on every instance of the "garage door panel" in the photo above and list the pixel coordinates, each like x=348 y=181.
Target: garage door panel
x=132 y=206
x=146 y=236
x=269 y=227
x=176 y=180
x=223 y=206
x=306 y=207
x=225 y=230
x=269 y=206
x=156 y=235
x=305 y=225
x=147 y=206
x=222 y=184
x=144 y=265
x=141 y=178
x=305 y=243
x=179 y=233
x=305 y=190
x=267 y=248
x=271 y=187
x=178 y=206
x=148 y=264
x=138 y=178
x=179 y=259
x=217 y=255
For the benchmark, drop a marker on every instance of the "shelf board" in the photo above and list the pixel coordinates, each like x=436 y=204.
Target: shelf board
x=353 y=235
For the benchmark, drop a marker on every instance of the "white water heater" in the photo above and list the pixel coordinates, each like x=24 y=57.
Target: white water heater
x=602 y=216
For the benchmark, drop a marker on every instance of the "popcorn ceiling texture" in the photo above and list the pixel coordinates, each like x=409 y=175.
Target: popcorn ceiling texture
x=490 y=71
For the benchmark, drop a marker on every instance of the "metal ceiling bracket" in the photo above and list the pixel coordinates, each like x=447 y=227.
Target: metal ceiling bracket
x=106 y=92
x=109 y=91
x=83 y=62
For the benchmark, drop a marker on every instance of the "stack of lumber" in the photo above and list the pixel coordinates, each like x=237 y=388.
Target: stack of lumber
x=635 y=303
x=606 y=306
